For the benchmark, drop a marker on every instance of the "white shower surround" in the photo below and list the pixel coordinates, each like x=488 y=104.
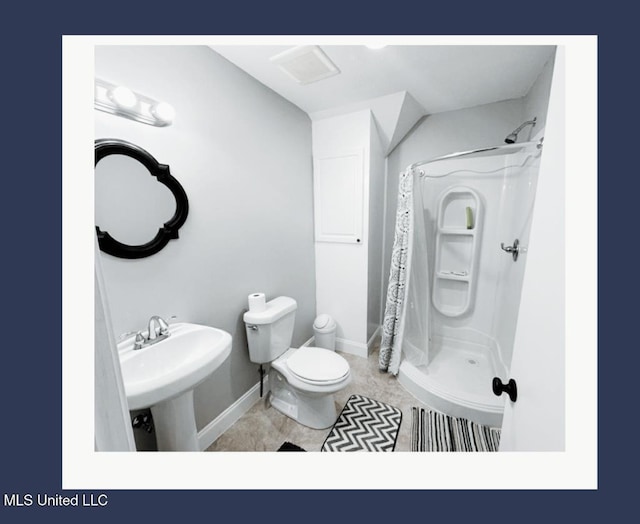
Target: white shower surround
x=452 y=372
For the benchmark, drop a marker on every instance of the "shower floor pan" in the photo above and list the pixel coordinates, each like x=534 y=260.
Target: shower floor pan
x=457 y=381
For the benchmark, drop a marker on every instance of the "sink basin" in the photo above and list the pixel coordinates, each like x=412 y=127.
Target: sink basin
x=162 y=377
x=168 y=368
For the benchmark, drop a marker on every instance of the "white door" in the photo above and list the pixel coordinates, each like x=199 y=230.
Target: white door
x=536 y=421
x=113 y=430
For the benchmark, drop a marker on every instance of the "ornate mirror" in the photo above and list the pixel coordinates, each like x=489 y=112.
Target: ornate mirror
x=139 y=205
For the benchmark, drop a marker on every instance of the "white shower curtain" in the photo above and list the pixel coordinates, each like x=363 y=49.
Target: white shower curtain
x=394 y=314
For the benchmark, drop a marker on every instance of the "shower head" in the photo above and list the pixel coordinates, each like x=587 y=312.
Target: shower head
x=513 y=136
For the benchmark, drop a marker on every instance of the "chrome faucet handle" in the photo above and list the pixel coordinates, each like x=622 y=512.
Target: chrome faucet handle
x=139 y=342
x=152 y=328
x=164 y=327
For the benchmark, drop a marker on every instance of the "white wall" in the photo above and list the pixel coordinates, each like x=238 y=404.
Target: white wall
x=243 y=156
x=536 y=101
x=376 y=231
x=341 y=268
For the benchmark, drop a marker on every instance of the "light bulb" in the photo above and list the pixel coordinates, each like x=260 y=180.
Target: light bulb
x=123 y=97
x=163 y=112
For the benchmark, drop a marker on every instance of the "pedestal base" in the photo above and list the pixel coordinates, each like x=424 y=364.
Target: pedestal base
x=175 y=424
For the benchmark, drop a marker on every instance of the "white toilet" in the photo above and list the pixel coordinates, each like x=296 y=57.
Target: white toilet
x=302 y=381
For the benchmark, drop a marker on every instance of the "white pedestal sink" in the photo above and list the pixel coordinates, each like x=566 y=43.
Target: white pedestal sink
x=162 y=377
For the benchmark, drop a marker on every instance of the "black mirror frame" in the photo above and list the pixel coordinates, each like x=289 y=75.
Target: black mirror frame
x=169 y=230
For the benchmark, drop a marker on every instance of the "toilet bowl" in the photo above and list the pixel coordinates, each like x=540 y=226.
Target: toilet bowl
x=302 y=381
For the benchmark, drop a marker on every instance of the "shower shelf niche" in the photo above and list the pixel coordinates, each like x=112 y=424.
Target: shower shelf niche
x=456 y=255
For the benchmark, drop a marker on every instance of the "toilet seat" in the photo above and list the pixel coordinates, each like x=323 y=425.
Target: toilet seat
x=318 y=366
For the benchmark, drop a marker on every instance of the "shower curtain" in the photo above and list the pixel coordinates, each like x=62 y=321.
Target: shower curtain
x=392 y=325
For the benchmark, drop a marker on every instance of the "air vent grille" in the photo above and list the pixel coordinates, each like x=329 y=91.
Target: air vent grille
x=305 y=64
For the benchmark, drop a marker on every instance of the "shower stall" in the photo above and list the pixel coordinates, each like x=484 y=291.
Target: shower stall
x=465 y=260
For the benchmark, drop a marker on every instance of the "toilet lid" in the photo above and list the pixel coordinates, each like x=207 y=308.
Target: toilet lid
x=318 y=365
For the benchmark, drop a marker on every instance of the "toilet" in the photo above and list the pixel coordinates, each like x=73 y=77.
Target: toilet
x=302 y=381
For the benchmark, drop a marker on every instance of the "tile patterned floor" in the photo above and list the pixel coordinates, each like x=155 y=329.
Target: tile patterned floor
x=263 y=428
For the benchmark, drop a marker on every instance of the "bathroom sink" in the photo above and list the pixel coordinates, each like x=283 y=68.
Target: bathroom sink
x=173 y=366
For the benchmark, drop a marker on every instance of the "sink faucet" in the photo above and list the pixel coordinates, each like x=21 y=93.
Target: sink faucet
x=158 y=330
x=163 y=328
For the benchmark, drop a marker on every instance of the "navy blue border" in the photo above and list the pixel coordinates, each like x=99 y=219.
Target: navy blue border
x=32 y=288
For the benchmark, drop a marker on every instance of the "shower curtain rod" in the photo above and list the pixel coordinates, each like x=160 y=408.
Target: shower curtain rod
x=474 y=151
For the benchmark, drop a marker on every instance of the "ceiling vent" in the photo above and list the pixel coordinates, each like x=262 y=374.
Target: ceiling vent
x=305 y=64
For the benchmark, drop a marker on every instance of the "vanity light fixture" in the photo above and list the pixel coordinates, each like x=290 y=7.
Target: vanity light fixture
x=122 y=101
x=163 y=112
x=123 y=97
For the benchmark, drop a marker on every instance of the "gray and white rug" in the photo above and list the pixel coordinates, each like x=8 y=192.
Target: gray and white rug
x=434 y=431
x=364 y=424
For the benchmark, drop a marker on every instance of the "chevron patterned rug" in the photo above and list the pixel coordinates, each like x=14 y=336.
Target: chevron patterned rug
x=364 y=425
x=434 y=431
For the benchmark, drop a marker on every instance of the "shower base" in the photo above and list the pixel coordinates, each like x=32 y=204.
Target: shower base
x=457 y=381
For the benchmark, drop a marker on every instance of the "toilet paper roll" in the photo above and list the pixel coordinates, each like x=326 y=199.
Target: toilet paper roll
x=257 y=302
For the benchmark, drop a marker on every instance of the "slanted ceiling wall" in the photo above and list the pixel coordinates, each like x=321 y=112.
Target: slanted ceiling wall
x=394 y=116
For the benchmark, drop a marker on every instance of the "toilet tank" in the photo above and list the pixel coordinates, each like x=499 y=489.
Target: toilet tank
x=269 y=332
